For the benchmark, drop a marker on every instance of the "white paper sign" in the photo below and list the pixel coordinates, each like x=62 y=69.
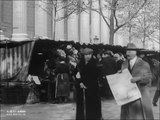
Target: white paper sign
x=36 y=80
x=123 y=90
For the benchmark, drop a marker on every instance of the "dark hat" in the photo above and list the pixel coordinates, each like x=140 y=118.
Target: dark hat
x=131 y=46
x=108 y=52
x=100 y=52
x=87 y=51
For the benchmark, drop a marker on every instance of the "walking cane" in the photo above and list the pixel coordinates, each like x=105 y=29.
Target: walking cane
x=56 y=86
x=84 y=103
x=142 y=108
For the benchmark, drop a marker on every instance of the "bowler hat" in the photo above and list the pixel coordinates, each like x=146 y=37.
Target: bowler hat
x=131 y=46
x=87 y=51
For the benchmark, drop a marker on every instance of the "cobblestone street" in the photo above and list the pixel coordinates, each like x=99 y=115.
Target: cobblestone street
x=47 y=111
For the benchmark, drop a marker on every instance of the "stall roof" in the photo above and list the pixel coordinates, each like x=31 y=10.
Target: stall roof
x=10 y=44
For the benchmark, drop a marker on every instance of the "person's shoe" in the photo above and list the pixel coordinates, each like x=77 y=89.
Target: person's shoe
x=154 y=104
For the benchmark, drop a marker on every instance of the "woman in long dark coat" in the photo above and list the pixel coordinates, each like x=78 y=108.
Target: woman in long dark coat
x=90 y=107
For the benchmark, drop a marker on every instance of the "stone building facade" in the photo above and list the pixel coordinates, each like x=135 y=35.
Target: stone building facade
x=25 y=19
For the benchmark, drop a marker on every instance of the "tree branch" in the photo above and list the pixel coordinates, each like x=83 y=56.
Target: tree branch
x=101 y=13
x=119 y=26
x=66 y=6
x=116 y=20
x=44 y=9
x=66 y=15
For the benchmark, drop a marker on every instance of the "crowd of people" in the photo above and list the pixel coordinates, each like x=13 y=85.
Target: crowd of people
x=68 y=60
x=83 y=72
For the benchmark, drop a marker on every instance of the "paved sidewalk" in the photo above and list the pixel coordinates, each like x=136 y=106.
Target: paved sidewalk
x=47 y=111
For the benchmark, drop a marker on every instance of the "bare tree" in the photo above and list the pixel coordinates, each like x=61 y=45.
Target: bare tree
x=67 y=7
x=145 y=25
x=121 y=13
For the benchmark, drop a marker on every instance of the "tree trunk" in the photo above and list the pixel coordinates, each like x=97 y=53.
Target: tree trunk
x=130 y=28
x=54 y=29
x=144 y=37
x=111 y=37
x=111 y=33
x=144 y=45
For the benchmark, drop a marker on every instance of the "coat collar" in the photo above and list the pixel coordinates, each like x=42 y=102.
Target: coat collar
x=137 y=62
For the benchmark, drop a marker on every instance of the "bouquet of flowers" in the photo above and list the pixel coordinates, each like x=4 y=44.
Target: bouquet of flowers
x=61 y=53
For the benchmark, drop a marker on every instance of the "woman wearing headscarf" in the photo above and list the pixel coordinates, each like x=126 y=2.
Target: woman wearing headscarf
x=88 y=97
x=62 y=77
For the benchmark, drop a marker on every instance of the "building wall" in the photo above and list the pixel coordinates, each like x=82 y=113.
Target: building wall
x=6 y=22
x=41 y=19
x=73 y=28
x=39 y=22
x=37 y=19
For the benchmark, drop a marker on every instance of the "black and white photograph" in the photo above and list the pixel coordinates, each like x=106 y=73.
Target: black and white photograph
x=79 y=59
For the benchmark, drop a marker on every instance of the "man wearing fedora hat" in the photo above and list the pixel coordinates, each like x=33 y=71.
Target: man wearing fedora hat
x=142 y=108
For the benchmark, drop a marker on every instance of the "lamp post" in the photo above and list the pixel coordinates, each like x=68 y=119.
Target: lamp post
x=1 y=34
x=96 y=39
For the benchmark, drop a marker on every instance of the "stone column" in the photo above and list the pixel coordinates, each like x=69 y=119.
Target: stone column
x=85 y=25
x=19 y=20
x=79 y=21
x=73 y=28
x=41 y=19
x=54 y=22
x=50 y=20
x=60 y=27
x=95 y=20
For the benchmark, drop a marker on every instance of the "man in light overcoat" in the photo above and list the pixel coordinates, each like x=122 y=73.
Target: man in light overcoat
x=140 y=109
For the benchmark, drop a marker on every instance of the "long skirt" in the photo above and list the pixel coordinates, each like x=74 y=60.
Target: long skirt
x=62 y=85
x=90 y=107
